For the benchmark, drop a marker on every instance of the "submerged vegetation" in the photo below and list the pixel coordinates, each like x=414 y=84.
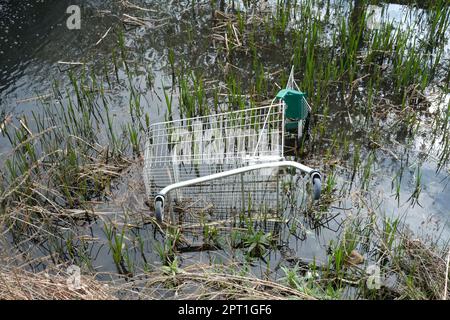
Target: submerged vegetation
x=71 y=189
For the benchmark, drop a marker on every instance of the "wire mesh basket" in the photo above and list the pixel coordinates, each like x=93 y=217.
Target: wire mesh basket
x=221 y=168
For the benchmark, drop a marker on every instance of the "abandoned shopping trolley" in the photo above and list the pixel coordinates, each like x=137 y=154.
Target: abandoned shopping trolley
x=224 y=164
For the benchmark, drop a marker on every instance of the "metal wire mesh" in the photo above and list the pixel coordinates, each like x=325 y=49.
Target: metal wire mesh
x=259 y=198
x=226 y=199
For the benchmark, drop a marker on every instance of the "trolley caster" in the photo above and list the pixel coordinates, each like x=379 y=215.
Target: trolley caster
x=317 y=185
x=159 y=208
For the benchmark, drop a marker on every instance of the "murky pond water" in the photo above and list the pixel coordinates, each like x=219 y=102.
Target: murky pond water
x=37 y=50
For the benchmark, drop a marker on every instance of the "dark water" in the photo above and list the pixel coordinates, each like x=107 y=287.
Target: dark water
x=34 y=38
x=27 y=29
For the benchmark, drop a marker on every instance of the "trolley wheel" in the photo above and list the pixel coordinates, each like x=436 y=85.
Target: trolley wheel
x=159 y=210
x=317 y=188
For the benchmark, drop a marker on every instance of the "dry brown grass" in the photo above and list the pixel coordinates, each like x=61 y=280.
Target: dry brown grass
x=427 y=268
x=205 y=282
x=19 y=284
